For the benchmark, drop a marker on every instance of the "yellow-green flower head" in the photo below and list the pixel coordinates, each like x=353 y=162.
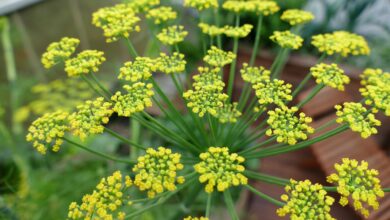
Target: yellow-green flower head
x=221 y=169
x=265 y=8
x=172 y=35
x=356 y=181
x=341 y=42
x=48 y=130
x=287 y=127
x=87 y=61
x=305 y=200
x=208 y=79
x=140 y=69
x=201 y=4
x=90 y=117
x=218 y=58
x=238 y=6
x=254 y=74
x=272 y=91
x=358 y=118
x=211 y=30
x=171 y=64
x=116 y=22
x=138 y=98
x=59 y=51
x=195 y=218
x=237 y=32
x=161 y=14
x=375 y=77
x=156 y=171
x=142 y=5
x=296 y=16
x=105 y=201
x=286 y=39
x=228 y=113
x=330 y=75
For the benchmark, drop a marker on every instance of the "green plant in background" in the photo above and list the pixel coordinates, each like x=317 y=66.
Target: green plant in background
x=209 y=142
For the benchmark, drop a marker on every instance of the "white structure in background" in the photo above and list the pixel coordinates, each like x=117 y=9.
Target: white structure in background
x=8 y=6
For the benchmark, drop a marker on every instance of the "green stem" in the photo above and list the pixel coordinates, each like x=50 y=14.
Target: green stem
x=217 y=23
x=233 y=65
x=265 y=196
x=90 y=84
x=266 y=178
x=279 y=63
x=251 y=149
x=257 y=40
x=131 y=48
x=386 y=190
x=314 y=92
x=208 y=206
x=230 y=204
x=123 y=139
x=135 y=129
x=100 y=154
x=100 y=85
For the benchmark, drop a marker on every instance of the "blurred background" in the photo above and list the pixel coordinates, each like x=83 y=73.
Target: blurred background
x=37 y=187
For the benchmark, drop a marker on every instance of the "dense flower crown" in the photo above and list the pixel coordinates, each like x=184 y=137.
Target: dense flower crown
x=201 y=4
x=228 y=113
x=305 y=200
x=220 y=169
x=218 y=58
x=211 y=30
x=88 y=61
x=330 y=75
x=286 y=39
x=359 y=182
x=172 y=35
x=142 y=5
x=156 y=171
x=238 y=32
x=139 y=70
x=254 y=75
x=106 y=200
x=171 y=64
x=59 y=51
x=272 y=91
x=296 y=16
x=161 y=14
x=287 y=127
x=358 y=118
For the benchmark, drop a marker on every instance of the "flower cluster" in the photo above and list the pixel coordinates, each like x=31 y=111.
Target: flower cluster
x=220 y=169
x=211 y=30
x=218 y=58
x=257 y=6
x=287 y=127
x=142 y=5
x=265 y=8
x=207 y=95
x=201 y=4
x=87 y=61
x=296 y=16
x=161 y=14
x=272 y=91
x=376 y=89
x=89 y=118
x=60 y=51
x=195 y=218
x=228 y=113
x=254 y=75
x=286 y=39
x=171 y=64
x=105 y=201
x=341 y=42
x=358 y=118
x=359 y=182
x=305 y=200
x=140 y=69
x=330 y=75
x=116 y=22
x=172 y=35
x=48 y=130
x=156 y=171
x=238 y=32
x=138 y=97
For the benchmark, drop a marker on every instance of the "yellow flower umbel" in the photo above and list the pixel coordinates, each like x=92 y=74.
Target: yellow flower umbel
x=330 y=75
x=90 y=117
x=376 y=89
x=296 y=16
x=237 y=6
x=48 y=130
x=254 y=75
x=161 y=14
x=218 y=58
x=359 y=182
x=210 y=30
x=171 y=64
x=105 y=201
x=265 y=8
x=207 y=96
x=59 y=51
x=201 y=4
x=358 y=118
x=142 y=5
x=287 y=127
x=138 y=98
x=272 y=91
x=228 y=113
x=286 y=39
x=220 y=169
x=237 y=32
x=172 y=35
x=156 y=171
x=88 y=61
x=116 y=22
x=195 y=218
x=341 y=42
x=305 y=200
x=139 y=70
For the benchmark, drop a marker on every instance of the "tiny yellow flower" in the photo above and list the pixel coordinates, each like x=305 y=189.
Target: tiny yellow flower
x=161 y=14
x=139 y=70
x=286 y=39
x=356 y=181
x=330 y=75
x=228 y=113
x=218 y=58
x=201 y=5
x=211 y=30
x=171 y=64
x=254 y=75
x=172 y=35
x=238 y=32
x=59 y=51
x=256 y=6
x=272 y=91
x=220 y=169
x=142 y=5
x=296 y=16
x=87 y=61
